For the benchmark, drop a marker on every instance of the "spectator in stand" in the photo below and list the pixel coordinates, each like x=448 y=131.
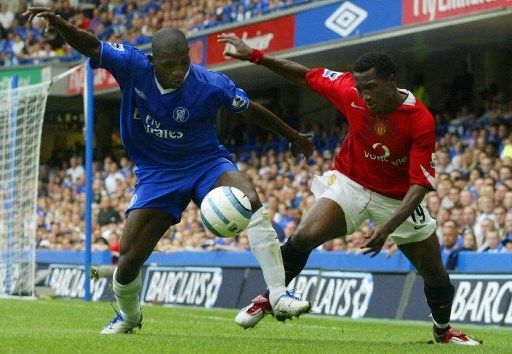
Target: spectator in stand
x=433 y=203
x=289 y=230
x=487 y=225
x=449 y=242
x=6 y=15
x=465 y=198
x=114 y=245
x=507 y=245
x=107 y=214
x=485 y=205
x=443 y=162
x=75 y=170
x=492 y=243
x=469 y=243
x=500 y=213
x=469 y=215
x=113 y=177
x=134 y=21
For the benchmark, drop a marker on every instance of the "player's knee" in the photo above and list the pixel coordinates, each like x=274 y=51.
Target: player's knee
x=254 y=199
x=130 y=259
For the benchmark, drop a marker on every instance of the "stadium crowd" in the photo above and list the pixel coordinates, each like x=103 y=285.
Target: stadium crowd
x=472 y=203
x=123 y=21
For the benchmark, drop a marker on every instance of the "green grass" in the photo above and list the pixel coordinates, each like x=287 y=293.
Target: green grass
x=72 y=326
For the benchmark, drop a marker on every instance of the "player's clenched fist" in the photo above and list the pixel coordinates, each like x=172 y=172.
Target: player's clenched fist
x=45 y=13
x=237 y=48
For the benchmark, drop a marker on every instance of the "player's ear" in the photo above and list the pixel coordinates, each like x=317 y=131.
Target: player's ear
x=392 y=80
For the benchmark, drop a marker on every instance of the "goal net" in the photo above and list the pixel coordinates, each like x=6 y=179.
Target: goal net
x=21 y=119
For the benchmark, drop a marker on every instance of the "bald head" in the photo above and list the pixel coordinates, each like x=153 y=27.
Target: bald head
x=170 y=56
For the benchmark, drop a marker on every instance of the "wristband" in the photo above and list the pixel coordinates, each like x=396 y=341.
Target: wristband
x=256 y=56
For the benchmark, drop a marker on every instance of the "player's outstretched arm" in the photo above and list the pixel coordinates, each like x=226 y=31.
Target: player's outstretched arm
x=294 y=72
x=82 y=41
x=412 y=199
x=299 y=143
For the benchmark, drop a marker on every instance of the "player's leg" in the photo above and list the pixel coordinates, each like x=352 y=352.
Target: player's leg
x=324 y=221
x=149 y=215
x=439 y=291
x=265 y=246
x=340 y=207
x=416 y=238
x=143 y=229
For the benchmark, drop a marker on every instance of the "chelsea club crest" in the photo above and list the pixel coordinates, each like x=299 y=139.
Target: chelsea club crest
x=180 y=114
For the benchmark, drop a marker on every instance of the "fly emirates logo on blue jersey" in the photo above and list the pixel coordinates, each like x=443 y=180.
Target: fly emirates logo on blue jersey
x=154 y=127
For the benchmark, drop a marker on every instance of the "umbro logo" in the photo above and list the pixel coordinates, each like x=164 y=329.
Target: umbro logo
x=140 y=93
x=346 y=19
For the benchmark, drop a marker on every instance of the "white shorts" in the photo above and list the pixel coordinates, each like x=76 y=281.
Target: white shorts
x=360 y=204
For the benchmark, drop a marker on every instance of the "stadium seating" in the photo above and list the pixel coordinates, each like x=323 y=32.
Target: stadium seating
x=127 y=22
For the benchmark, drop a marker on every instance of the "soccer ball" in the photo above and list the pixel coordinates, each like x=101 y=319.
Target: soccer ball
x=226 y=211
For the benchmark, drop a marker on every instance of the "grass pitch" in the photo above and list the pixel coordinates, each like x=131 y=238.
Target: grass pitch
x=72 y=326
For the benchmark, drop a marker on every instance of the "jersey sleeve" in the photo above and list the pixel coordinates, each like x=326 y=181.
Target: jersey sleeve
x=422 y=156
x=330 y=84
x=115 y=58
x=233 y=98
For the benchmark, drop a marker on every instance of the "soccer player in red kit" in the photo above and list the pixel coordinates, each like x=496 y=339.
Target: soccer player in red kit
x=383 y=171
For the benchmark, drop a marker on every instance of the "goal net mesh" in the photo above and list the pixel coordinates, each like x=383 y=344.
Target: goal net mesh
x=21 y=119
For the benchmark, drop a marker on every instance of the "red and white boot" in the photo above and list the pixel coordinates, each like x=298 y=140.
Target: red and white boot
x=454 y=336
x=250 y=315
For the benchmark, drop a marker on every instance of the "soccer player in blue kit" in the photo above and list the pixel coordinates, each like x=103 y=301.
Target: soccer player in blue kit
x=168 y=128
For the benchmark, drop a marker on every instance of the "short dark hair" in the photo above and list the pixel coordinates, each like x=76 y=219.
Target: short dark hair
x=382 y=62
x=169 y=41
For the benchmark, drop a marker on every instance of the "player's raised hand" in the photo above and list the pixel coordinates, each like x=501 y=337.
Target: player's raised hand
x=302 y=145
x=237 y=48
x=45 y=13
x=375 y=240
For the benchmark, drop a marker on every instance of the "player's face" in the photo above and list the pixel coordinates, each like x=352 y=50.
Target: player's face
x=171 y=71
x=377 y=92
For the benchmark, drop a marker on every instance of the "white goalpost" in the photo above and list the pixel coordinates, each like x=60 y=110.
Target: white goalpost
x=21 y=119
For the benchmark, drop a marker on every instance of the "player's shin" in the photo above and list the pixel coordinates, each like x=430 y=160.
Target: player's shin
x=294 y=260
x=264 y=245
x=127 y=297
x=439 y=299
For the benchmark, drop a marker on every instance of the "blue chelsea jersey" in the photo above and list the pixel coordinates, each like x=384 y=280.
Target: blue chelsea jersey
x=168 y=128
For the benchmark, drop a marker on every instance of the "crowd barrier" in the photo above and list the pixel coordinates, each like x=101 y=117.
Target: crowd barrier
x=346 y=285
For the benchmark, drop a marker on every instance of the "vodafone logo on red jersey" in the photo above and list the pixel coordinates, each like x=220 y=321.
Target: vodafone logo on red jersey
x=381 y=153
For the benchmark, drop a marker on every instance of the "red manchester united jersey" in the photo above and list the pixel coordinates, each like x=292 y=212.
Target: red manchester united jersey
x=386 y=153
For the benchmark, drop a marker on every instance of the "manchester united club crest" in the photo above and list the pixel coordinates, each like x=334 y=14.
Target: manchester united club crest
x=380 y=128
x=331 y=180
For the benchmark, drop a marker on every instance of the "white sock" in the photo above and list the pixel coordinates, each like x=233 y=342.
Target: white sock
x=263 y=240
x=127 y=297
